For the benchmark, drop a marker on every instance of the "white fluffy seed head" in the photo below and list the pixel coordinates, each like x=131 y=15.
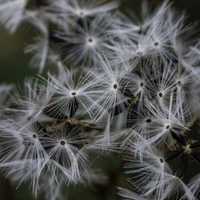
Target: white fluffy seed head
x=132 y=86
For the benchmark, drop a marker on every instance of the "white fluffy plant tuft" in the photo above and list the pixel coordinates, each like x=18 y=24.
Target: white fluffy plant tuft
x=114 y=87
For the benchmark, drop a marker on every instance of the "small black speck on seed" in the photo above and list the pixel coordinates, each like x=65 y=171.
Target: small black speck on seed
x=167 y=127
x=179 y=83
x=156 y=44
x=90 y=40
x=161 y=160
x=142 y=84
x=148 y=120
x=115 y=86
x=62 y=142
x=160 y=94
x=34 y=136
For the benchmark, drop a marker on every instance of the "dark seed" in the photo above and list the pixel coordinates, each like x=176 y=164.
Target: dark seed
x=90 y=40
x=161 y=160
x=160 y=94
x=34 y=136
x=148 y=120
x=167 y=127
x=115 y=86
x=156 y=44
x=62 y=142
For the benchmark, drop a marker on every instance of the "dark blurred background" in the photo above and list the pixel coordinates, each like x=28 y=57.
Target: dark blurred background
x=14 y=67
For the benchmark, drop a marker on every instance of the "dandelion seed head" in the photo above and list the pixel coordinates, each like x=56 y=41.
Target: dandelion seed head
x=149 y=120
x=91 y=41
x=115 y=84
x=34 y=136
x=156 y=44
x=161 y=160
x=62 y=143
x=74 y=93
x=81 y=12
x=142 y=84
x=167 y=126
x=160 y=94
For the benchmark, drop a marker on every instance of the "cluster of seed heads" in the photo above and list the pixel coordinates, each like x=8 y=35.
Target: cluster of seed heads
x=110 y=83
